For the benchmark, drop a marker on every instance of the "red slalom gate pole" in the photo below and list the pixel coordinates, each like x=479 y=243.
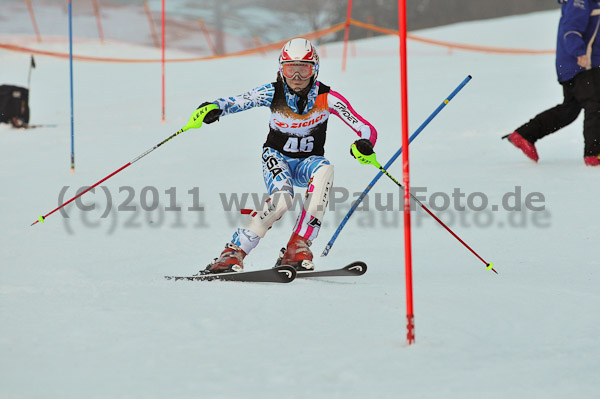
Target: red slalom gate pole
x=410 y=317
x=346 y=35
x=163 y=60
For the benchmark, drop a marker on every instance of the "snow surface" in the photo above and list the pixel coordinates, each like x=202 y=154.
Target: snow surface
x=86 y=312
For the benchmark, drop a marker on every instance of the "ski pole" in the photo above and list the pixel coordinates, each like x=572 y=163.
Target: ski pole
x=195 y=122
x=372 y=160
x=389 y=163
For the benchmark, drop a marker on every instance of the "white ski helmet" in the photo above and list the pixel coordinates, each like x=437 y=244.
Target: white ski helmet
x=299 y=50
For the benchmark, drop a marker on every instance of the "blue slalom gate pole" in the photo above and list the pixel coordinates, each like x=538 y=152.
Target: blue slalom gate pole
x=389 y=163
x=71 y=72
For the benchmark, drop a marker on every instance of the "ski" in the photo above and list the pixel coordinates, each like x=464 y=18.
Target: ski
x=280 y=274
x=353 y=269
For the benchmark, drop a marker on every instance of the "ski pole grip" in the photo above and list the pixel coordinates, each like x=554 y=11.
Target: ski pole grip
x=364 y=159
x=198 y=115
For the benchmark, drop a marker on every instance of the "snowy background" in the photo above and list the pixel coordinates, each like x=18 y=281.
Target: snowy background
x=85 y=311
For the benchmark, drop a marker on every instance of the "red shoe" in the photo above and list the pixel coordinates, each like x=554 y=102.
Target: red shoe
x=592 y=161
x=298 y=254
x=527 y=147
x=230 y=260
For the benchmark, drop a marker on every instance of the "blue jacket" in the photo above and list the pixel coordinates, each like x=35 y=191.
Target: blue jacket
x=577 y=35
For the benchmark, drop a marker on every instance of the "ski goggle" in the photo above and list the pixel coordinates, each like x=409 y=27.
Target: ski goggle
x=302 y=69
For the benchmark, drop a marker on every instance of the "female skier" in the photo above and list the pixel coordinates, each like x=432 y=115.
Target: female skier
x=292 y=154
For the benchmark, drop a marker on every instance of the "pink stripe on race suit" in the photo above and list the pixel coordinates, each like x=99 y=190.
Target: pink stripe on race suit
x=304 y=229
x=302 y=217
x=300 y=220
x=373 y=137
x=309 y=232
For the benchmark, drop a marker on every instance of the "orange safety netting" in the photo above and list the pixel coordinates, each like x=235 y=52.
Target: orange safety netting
x=271 y=46
x=450 y=45
x=277 y=45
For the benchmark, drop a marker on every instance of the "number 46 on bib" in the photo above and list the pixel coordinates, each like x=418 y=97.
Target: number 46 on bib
x=299 y=144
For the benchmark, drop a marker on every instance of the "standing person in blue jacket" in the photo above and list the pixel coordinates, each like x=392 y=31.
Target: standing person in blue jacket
x=578 y=70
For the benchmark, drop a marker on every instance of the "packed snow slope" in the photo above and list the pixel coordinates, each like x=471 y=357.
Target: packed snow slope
x=86 y=311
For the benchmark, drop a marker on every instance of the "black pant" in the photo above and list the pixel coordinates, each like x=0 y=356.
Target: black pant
x=581 y=92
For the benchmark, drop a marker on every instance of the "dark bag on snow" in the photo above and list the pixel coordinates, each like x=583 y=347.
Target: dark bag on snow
x=14 y=105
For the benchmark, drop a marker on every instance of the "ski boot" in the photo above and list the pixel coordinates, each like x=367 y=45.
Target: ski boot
x=521 y=143
x=297 y=254
x=592 y=161
x=230 y=260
